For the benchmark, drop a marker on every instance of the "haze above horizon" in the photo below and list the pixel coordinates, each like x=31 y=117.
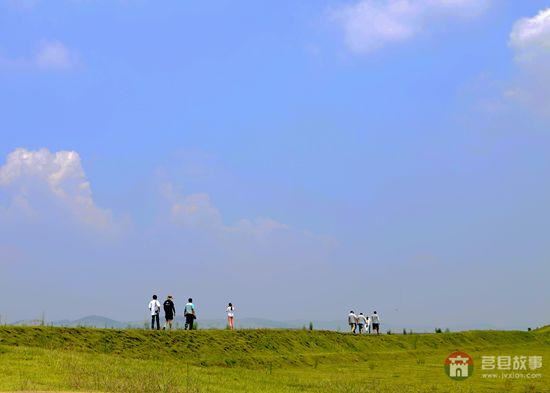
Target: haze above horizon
x=297 y=160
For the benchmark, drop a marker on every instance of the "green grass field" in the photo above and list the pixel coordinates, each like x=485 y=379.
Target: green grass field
x=81 y=359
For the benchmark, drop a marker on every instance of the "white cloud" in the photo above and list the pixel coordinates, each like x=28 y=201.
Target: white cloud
x=532 y=35
x=54 y=55
x=530 y=41
x=370 y=24
x=32 y=178
x=49 y=56
x=196 y=211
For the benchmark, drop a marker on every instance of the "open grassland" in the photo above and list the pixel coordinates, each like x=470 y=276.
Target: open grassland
x=79 y=359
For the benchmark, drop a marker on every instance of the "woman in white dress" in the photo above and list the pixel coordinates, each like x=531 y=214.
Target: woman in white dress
x=230 y=310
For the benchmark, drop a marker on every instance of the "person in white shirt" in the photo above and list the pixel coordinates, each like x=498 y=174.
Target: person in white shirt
x=375 y=320
x=230 y=310
x=352 y=320
x=154 y=307
x=361 y=322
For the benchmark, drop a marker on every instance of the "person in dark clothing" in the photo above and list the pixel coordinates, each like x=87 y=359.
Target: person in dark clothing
x=169 y=312
x=154 y=307
x=189 y=314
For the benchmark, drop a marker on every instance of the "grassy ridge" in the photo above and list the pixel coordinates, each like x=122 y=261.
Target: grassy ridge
x=146 y=344
x=45 y=358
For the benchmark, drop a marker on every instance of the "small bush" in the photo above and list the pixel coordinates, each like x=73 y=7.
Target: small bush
x=389 y=332
x=438 y=330
x=310 y=325
x=404 y=331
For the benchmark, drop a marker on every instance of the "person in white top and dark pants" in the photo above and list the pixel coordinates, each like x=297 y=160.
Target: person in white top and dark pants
x=361 y=322
x=189 y=314
x=154 y=307
x=375 y=320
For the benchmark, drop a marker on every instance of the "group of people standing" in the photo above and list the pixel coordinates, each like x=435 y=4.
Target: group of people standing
x=361 y=323
x=189 y=313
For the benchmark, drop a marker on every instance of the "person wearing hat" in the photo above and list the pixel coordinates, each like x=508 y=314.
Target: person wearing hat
x=169 y=312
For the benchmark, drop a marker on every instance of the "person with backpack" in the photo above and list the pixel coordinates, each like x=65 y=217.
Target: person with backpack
x=375 y=319
x=169 y=312
x=352 y=320
x=154 y=307
x=230 y=310
x=189 y=314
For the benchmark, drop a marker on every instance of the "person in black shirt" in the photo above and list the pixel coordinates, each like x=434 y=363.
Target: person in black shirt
x=169 y=312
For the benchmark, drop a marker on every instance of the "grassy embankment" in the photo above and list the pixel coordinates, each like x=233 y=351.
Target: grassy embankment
x=80 y=359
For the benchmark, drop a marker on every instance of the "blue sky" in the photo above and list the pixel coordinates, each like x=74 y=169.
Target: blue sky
x=299 y=160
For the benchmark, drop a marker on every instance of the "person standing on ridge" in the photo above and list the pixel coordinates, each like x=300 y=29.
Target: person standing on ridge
x=375 y=319
x=361 y=322
x=169 y=312
x=189 y=314
x=230 y=316
x=154 y=307
x=352 y=320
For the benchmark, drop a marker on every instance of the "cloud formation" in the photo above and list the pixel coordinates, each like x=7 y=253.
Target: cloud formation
x=369 y=25
x=54 y=55
x=197 y=211
x=50 y=223
x=530 y=37
x=49 y=56
x=35 y=179
x=530 y=41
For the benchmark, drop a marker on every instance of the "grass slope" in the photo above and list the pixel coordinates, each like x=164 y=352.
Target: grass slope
x=42 y=358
